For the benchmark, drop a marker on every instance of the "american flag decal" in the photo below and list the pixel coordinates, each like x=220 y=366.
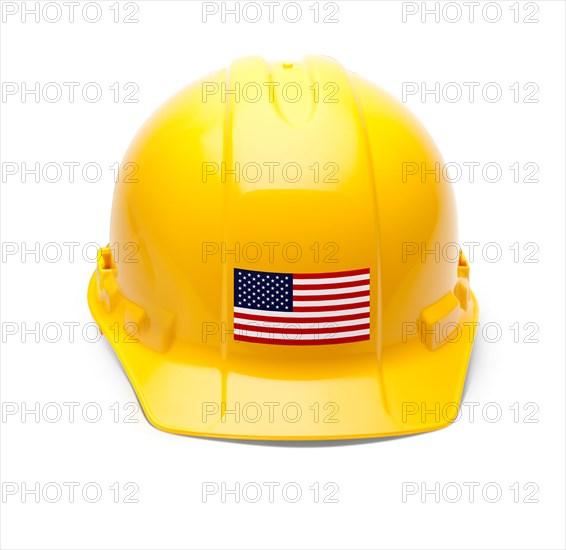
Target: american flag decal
x=301 y=308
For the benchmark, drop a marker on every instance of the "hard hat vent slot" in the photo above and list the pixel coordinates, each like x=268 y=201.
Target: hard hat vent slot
x=463 y=267
x=106 y=259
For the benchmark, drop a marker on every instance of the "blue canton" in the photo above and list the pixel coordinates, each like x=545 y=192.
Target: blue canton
x=262 y=290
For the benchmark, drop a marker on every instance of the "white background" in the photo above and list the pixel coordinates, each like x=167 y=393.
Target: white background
x=167 y=48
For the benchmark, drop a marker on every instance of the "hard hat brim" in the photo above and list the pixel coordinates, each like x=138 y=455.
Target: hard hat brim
x=410 y=390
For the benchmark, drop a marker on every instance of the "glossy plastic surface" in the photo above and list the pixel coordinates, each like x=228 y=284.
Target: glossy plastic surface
x=192 y=205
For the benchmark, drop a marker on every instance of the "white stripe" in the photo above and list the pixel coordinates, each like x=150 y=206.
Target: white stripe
x=329 y=280
x=316 y=303
x=291 y=337
x=300 y=313
x=301 y=325
x=330 y=291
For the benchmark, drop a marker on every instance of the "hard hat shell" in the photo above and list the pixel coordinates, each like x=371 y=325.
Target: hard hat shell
x=311 y=173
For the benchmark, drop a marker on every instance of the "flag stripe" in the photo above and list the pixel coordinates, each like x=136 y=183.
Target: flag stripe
x=247 y=329
x=309 y=323
x=350 y=279
x=285 y=342
x=308 y=312
x=331 y=274
x=337 y=302
x=315 y=297
x=296 y=336
x=307 y=318
x=329 y=308
x=345 y=288
x=308 y=286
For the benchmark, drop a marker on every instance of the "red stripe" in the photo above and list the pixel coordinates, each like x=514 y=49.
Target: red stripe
x=286 y=342
x=329 y=275
x=325 y=286
x=276 y=319
x=318 y=297
x=277 y=330
x=331 y=308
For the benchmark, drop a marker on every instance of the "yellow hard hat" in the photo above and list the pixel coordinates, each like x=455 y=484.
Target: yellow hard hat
x=283 y=261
